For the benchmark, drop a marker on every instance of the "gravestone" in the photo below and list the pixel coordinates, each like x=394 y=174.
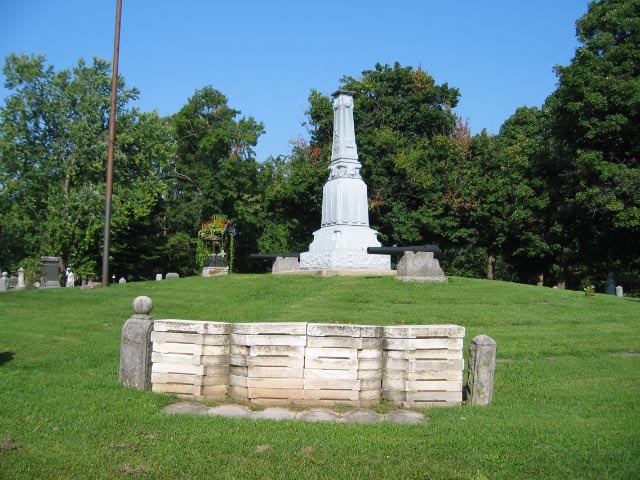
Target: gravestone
x=158 y=277
x=50 y=272
x=71 y=279
x=122 y=280
x=619 y=291
x=21 y=285
x=171 y=275
x=344 y=235
x=4 y=282
x=610 y=286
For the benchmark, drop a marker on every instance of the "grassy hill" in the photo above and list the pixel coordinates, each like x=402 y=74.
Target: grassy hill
x=565 y=399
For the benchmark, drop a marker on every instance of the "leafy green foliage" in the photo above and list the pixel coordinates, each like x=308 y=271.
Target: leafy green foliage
x=52 y=156
x=595 y=117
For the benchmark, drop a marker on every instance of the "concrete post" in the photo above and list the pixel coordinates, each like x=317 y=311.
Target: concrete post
x=135 y=346
x=482 y=365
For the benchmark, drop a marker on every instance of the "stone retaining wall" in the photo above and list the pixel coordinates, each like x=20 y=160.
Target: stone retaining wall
x=307 y=363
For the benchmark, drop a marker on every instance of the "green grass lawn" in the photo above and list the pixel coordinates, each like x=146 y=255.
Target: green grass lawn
x=565 y=406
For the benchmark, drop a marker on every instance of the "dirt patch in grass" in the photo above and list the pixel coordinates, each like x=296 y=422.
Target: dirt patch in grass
x=133 y=469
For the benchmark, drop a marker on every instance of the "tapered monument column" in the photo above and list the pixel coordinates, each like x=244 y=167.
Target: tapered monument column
x=342 y=241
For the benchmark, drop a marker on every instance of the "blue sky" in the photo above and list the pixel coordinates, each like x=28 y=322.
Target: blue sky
x=266 y=56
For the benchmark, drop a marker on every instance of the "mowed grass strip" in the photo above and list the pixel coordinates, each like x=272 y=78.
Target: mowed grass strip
x=565 y=403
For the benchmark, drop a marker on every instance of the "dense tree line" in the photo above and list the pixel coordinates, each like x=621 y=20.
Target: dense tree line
x=552 y=199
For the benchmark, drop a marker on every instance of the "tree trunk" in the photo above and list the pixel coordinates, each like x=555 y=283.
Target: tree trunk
x=491 y=267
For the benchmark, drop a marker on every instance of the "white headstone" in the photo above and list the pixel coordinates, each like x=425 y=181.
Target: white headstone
x=619 y=291
x=4 y=282
x=122 y=280
x=21 y=285
x=342 y=241
x=158 y=277
x=71 y=279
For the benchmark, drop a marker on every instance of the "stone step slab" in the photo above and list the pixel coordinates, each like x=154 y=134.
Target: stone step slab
x=421 y=385
x=408 y=344
x=187 y=348
x=423 y=331
x=275 y=393
x=422 y=365
x=344 y=342
x=274 y=372
x=189 y=326
x=281 y=340
x=290 y=351
x=190 y=369
x=448 y=375
x=342 y=374
x=273 y=328
x=193 y=338
x=190 y=359
x=432 y=354
x=339 y=384
x=189 y=379
x=341 y=330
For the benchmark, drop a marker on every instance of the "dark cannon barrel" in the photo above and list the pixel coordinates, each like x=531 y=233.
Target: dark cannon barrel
x=400 y=250
x=272 y=256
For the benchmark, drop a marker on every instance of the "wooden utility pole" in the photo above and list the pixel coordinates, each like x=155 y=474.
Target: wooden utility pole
x=111 y=147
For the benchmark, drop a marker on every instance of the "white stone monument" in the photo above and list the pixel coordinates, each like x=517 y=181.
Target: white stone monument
x=342 y=241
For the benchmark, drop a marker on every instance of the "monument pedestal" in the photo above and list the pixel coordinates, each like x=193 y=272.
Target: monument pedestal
x=342 y=241
x=344 y=247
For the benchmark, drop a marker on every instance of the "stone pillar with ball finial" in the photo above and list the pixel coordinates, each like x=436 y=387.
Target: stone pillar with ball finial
x=135 y=346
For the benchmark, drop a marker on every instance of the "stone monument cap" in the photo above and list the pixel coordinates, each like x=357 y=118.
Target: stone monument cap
x=142 y=305
x=342 y=92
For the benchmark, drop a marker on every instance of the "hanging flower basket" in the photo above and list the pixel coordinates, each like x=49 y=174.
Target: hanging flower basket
x=214 y=237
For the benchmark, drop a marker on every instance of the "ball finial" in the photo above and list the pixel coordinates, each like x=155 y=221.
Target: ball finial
x=142 y=305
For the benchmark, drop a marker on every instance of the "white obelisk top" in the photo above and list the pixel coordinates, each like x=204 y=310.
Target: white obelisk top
x=344 y=133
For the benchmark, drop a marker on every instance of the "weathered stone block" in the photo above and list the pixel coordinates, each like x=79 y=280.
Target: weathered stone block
x=284 y=340
x=274 y=372
x=273 y=328
x=136 y=347
x=408 y=344
x=423 y=331
x=275 y=361
x=338 y=330
x=482 y=365
x=189 y=326
x=420 y=267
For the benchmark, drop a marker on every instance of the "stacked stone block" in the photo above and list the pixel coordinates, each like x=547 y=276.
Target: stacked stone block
x=311 y=364
x=267 y=362
x=191 y=359
x=343 y=364
x=423 y=365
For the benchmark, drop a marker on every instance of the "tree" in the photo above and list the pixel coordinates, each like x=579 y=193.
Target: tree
x=53 y=139
x=595 y=115
x=214 y=170
x=415 y=157
x=516 y=217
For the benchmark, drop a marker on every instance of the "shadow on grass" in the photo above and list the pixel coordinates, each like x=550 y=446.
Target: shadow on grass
x=6 y=357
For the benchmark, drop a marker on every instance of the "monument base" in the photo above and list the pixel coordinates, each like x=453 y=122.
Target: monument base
x=344 y=247
x=214 y=271
x=420 y=267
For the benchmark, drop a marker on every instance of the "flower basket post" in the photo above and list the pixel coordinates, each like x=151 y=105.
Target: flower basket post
x=213 y=237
